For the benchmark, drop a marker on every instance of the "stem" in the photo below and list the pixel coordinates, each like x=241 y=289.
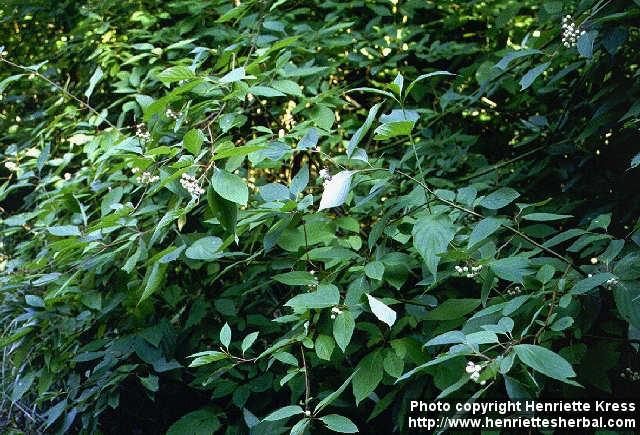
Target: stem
x=59 y=88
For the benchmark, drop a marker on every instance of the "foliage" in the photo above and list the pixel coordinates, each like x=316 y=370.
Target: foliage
x=268 y=216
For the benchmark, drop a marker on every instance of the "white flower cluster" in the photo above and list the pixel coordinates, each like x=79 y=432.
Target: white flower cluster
x=171 y=114
x=468 y=272
x=145 y=177
x=570 y=32
x=474 y=370
x=191 y=184
x=611 y=282
x=142 y=133
x=514 y=291
x=335 y=311
x=12 y=166
x=324 y=174
x=630 y=375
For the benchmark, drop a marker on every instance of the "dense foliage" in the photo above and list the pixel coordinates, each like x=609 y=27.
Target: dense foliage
x=298 y=215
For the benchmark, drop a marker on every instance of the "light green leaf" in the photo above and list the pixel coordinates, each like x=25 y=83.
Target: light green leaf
x=382 y=311
x=511 y=269
x=368 y=376
x=544 y=217
x=230 y=186
x=64 y=230
x=234 y=75
x=484 y=229
x=338 y=423
x=324 y=346
x=343 y=327
x=284 y=413
x=248 y=341
x=531 y=75
x=499 y=198
x=431 y=237
x=336 y=190
x=374 y=270
x=545 y=361
x=297 y=277
x=206 y=248
x=225 y=335
x=192 y=141
x=327 y=295
x=364 y=128
x=175 y=74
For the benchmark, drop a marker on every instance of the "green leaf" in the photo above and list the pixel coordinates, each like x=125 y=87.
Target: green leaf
x=450 y=337
x=234 y=75
x=382 y=311
x=336 y=190
x=206 y=248
x=585 y=43
x=225 y=335
x=513 y=55
x=154 y=281
x=230 y=186
x=452 y=309
x=338 y=423
x=484 y=229
x=499 y=198
x=545 y=361
x=284 y=413
x=374 y=270
x=431 y=237
x=333 y=396
x=192 y=141
x=266 y=91
x=248 y=341
x=364 y=128
x=296 y=278
x=288 y=87
x=388 y=130
x=324 y=347
x=343 y=327
x=531 y=75
x=327 y=295
x=224 y=210
x=544 y=217
x=64 y=230
x=511 y=269
x=206 y=357
x=368 y=376
x=93 y=81
x=589 y=283
x=22 y=385
x=201 y=422
x=426 y=76
x=175 y=74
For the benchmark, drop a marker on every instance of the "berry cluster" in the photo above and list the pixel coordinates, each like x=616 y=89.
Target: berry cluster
x=324 y=174
x=611 y=282
x=145 y=177
x=514 y=291
x=570 y=32
x=468 y=272
x=630 y=375
x=335 y=311
x=172 y=115
x=191 y=184
x=474 y=370
x=142 y=132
